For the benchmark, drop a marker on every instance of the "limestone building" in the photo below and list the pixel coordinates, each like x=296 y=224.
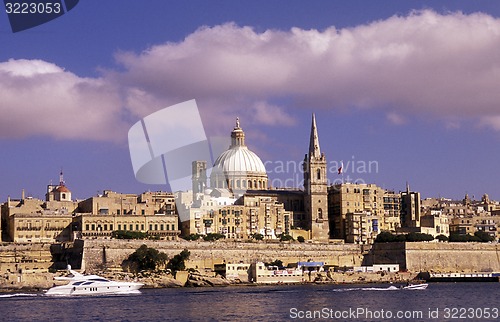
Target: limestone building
x=238 y=202
x=359 y=199
x=150 y=212
x=33 y=220
x=410 y=208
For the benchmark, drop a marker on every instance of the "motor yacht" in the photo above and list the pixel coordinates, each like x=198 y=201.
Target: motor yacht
x=80 y=284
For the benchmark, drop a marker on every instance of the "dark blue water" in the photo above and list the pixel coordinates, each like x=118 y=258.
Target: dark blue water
x=440 y=302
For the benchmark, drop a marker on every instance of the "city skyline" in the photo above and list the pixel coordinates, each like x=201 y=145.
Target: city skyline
x=413 y=91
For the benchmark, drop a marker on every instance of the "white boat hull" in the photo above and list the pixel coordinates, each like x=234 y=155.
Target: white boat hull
x=416 y=287
x=95 y=289
x=92 y=285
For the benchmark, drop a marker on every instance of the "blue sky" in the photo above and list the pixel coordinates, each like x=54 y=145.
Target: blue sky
x=409 y=85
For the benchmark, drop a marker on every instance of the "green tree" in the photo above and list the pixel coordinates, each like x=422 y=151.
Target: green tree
x=285 y=237
x=442 y=238
x=257 y=236
x=277 y=262
x=213 y=237
x=178 y=262
x=484 y=236
x=127 y=234
x=416 y=237
x=146 y=258
x=193 y=237
x=385 y=237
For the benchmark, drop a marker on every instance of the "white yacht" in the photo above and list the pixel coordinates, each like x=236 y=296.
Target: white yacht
x=80 y=284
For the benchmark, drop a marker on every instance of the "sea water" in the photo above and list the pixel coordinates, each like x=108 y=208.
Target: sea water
x=439 y=302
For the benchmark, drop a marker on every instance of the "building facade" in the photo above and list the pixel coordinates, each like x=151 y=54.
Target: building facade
x=239 y=188
x=153 y=213
x=354 y=198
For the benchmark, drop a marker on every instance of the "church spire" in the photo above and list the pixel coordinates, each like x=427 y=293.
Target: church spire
x=314 y=150
x=61 y=179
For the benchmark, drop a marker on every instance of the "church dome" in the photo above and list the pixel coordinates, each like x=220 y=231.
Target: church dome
x=62 y=189
x=238 y=168
x=240 y=159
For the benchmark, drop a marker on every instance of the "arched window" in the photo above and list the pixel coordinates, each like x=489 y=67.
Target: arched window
x=318 y=174
x=320 y=213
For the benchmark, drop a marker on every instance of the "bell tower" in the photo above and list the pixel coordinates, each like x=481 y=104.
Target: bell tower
x=315 y=186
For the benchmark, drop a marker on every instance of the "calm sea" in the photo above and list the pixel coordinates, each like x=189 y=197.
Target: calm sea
x=440 y=302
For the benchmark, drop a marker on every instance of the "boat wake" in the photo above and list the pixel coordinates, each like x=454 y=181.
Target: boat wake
x=18 y=295
x=390 y=288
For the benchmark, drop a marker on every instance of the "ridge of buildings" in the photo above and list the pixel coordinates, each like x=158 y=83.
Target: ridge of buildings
x=238 y=204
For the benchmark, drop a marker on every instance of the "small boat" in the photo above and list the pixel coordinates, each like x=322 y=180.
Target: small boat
x=422 y=286
x=80 y=284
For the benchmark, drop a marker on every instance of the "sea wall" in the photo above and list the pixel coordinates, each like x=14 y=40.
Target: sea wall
x=439 y=257
x=98 y=254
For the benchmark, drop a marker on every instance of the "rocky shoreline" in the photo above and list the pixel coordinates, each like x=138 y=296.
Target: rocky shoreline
x=43 y=281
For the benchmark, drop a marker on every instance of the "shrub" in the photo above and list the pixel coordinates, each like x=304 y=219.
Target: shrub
x=484 y=236
x=301 y=239
x=387 y=237
x=213 y=237
x=284 y=237
x=276 y=262
x=442 y=238
x=192 y=237
x=258 y=236
x=177 y=263
x=126 y=234
x=146 y=258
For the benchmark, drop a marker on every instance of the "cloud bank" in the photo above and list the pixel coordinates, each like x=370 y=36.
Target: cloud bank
x=425 y=64
x=40 y=98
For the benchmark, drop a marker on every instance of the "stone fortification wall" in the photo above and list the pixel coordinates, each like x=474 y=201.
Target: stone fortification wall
x=439 y=257
x=112 y=253
x=15 y=258
x=453 y=257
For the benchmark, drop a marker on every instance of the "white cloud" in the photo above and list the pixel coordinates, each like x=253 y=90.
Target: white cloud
x=492 y=122
x=424 y=63
x=40 y=98
x=268 y=114
x=395 y=118
x=441 y=66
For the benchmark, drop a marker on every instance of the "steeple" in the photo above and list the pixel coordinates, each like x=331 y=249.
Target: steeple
x=314 y=150
x=315 y=188
x=61 y=179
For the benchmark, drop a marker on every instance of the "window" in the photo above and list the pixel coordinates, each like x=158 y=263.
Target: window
x=150 y=226
x=131 y=227
x=161 y=227
x=143 y=212
x=156 y=226
x=93 y=226
x=318 y=174
x=168 y=227
x=320 y=213
x=119 y=227
x=118 y=211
